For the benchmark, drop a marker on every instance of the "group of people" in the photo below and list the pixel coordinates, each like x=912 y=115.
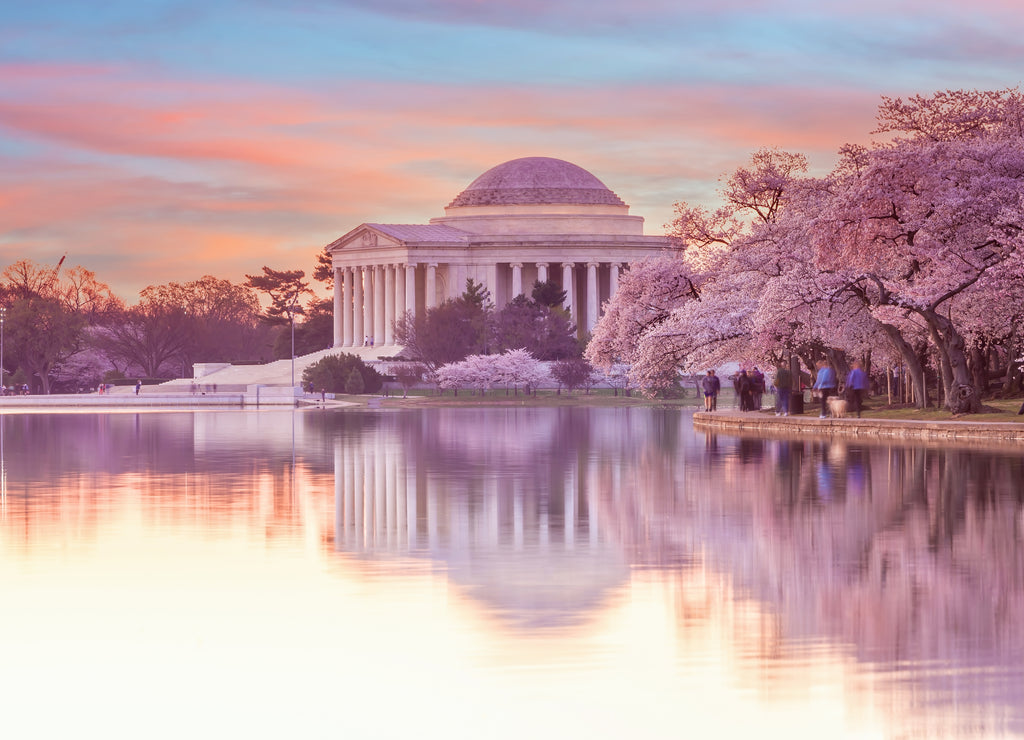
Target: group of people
x=826 y=384
x=750 y=387
x=13 y=390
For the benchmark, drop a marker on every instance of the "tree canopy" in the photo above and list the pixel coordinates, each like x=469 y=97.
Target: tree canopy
x=284 y=288
x=911 y=248
x=47 y=315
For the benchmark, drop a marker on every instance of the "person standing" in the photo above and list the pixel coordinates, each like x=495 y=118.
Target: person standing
x=856 y=385
x=138 y=386
x=711 y=385
x=825 y=384
x=757 y=388
x=783 y=386
x=744 y=389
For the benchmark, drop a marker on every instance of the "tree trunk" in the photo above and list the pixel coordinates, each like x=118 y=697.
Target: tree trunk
x=979 y=370
x=1014 y=355
x=945 y=370
x=962 y=397
x=838 y=359
x=911 y=362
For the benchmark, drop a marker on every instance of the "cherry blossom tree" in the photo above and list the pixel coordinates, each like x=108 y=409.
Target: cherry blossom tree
x=911 y=242
x=516 y=368
x=48 y=315
x=648 y=294
x=924 y=218
x=680 y=312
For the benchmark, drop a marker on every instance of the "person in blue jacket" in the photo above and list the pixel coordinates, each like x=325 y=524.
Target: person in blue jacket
x=825 y=384
x=856 y=385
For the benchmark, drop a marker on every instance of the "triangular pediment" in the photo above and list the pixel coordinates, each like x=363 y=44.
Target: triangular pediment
x=382 y=236
x=364 y=236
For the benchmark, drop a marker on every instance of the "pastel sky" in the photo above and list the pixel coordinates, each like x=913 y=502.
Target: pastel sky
x=160 y=140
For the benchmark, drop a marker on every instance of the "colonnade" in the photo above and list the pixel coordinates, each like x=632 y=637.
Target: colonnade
x=369 y=298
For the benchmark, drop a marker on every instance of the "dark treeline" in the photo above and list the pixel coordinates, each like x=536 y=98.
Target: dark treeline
x=64 y=330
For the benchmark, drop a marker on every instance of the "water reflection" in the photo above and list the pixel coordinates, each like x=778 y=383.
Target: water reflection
x=889 y=578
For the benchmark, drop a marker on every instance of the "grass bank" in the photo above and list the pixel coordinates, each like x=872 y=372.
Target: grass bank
x=1001 y=410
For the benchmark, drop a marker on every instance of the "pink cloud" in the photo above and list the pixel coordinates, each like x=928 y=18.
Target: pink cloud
x=168 y=180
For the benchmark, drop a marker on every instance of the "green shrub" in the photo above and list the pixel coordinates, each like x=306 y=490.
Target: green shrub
x=334 y=374
x=354 y=385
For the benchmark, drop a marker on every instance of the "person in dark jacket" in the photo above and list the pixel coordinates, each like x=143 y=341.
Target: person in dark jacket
x=711 y=385
x=757 y=388
x=744 y=391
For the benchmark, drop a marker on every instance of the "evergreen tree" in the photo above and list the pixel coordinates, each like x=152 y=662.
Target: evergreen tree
x=343 y=373
x=354 y=384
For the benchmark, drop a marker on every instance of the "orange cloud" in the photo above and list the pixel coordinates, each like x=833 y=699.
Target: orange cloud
x=163 y=179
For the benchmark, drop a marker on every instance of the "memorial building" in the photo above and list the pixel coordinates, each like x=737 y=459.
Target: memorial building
x=529 y=219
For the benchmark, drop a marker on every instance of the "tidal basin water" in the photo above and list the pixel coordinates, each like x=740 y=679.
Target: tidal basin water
x=500 y=573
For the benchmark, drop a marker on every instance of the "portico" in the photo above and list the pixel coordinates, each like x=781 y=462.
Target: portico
x=526 y=220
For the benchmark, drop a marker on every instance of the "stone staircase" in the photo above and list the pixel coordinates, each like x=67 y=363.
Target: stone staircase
x=277 y=373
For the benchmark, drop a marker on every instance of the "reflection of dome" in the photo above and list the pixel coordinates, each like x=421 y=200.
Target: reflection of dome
x=536 y=589
x=536 y=181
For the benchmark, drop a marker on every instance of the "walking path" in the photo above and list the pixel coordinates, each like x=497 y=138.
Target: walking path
x=123 y=398
x=765 y=421
x=230 y=386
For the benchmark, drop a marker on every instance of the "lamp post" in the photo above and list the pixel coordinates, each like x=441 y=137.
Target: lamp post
x=291 y=318
x=3 y=391
x=3 y=318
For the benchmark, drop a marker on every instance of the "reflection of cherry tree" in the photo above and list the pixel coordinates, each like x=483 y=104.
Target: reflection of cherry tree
x=905 y=552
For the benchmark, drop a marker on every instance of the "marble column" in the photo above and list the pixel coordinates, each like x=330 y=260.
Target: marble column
x=456 y=280
x=357 y=306
x=613 y=280
x=400 y=271
x=378 y=304
x=339 y=310
x=432 y=285
x=389 y=305
x=517 y=279
x=567 y=286
x=347 y=312
x=592 y=296
x=368 y=291
x=542 y=272
x=410 y=287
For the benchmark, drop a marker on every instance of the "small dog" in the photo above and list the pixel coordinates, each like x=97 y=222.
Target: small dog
x=837 y=407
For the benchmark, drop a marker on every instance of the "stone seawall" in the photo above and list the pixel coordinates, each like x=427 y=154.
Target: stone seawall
x=125 y=400
x=958 y=432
